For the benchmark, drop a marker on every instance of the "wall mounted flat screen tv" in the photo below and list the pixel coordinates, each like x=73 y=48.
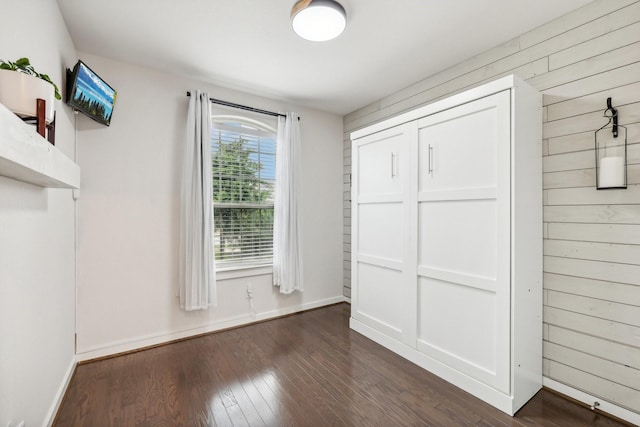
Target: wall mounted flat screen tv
x=89 y=94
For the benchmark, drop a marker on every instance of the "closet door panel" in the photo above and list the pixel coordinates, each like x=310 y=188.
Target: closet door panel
x=466 y=236
x=380 y=297
x=453 y=149
x=381 y=237
x=464 y=239
x=381 y=231
x=380 y=168
x=457 y=325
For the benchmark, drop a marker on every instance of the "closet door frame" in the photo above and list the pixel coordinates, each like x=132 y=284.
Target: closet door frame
x=525 y=257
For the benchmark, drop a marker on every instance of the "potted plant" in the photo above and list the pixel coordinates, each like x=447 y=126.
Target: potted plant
x=21 y=85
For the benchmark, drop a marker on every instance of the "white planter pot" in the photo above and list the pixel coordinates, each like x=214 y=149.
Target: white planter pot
x=19 y=92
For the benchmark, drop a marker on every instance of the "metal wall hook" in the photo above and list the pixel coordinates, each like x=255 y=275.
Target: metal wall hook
x=613 y=117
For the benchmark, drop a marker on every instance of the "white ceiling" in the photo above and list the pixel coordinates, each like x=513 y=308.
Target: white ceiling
x=249 y=44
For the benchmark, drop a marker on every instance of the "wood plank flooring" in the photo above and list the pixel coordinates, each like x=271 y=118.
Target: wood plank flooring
x=309 y=369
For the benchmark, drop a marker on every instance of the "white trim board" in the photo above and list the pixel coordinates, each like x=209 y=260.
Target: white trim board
x=168 y=336
x=604 y=406
x=57 y=401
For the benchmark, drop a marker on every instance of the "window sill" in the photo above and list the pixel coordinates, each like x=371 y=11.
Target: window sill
x=240 y=272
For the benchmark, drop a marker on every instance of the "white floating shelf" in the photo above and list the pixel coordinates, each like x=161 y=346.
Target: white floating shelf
x=28 y=157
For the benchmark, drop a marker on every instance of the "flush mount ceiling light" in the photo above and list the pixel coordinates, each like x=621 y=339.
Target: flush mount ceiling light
x=318 y=20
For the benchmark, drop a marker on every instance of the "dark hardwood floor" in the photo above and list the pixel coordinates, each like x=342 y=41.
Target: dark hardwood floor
x=309 y=369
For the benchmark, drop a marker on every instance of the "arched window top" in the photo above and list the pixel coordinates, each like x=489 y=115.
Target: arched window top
x=245 y=125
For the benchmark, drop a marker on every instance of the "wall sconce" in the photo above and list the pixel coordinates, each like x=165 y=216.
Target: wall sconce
x=611 y=152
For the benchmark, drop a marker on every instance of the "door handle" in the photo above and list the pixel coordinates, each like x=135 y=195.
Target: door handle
x=393 y=165
x=430 y=162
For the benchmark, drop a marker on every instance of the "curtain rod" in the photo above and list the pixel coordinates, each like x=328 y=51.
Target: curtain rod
x=244 y=107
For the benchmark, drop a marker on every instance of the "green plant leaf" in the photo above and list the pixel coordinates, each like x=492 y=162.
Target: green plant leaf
x=23 y=62
x=57 y=92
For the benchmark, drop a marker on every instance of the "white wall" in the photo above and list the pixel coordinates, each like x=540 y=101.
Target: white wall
x=129 y=216
x=37 y=268
x=592 y=238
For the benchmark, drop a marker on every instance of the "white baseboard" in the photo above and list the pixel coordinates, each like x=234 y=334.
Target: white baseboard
x=51 y=415
x=296 y=308
x=603 y=406
x=168 y=336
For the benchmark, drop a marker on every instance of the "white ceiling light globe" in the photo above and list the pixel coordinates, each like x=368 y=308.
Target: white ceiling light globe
x=318 y=20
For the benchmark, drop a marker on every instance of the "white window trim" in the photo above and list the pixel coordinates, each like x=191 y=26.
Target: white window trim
x=230 y=273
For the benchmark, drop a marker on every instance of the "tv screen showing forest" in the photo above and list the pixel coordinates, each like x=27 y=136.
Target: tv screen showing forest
x=91 y=95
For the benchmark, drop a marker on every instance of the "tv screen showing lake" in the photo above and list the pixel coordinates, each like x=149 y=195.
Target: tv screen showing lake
x=92 y=95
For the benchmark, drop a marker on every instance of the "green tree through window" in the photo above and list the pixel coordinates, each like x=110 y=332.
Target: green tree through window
x=243 y=176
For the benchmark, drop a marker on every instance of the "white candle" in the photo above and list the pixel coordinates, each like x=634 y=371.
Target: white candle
x=611 y=172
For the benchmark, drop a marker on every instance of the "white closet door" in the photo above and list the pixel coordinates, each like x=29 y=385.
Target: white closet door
x=464 y=238
x=380 y=173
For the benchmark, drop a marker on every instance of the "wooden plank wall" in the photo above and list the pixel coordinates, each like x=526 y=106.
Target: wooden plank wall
x=591 y=238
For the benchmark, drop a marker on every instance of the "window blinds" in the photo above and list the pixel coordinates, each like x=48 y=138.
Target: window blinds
x=243 y=178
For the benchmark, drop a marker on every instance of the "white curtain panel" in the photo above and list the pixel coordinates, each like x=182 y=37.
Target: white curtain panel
x=197 y=281
x=287 y=238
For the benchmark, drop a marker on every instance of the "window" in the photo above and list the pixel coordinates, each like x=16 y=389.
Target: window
x=243 y=154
